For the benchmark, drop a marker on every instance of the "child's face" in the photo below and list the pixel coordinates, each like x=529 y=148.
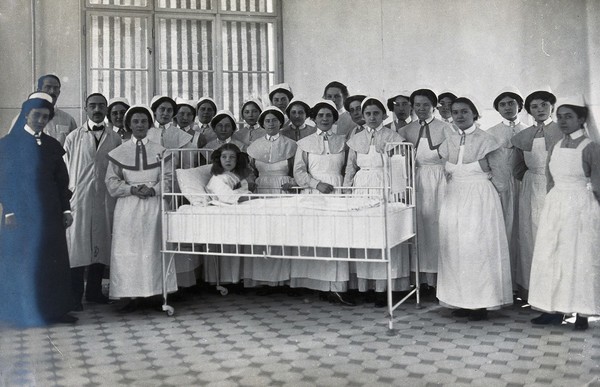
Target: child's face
x=223 y=129
x=250 y=114
x=185 y=116
x=228 y=160
x=272 y=124
x=373 y=116
x=297 y=115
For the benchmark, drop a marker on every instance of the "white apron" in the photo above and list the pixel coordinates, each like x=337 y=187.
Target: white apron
x=531 y=202
x=269 y=271
x=136 y=263
x=430 y=189
x=374 y=275
x=474 y=264
x=565 y=272
x=321 y=275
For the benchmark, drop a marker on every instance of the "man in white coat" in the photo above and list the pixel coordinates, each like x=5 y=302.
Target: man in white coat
x=89 y=240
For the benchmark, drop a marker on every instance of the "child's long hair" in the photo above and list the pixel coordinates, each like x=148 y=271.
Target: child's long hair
x=241 y=164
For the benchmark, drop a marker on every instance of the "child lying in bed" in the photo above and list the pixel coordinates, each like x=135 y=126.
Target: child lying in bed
x=229 y=171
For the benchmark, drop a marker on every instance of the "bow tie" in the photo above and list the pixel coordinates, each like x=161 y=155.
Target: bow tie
x=95 y=128
x=512 y=124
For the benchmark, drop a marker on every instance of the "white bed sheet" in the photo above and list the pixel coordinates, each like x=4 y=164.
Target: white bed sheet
x=300 y=220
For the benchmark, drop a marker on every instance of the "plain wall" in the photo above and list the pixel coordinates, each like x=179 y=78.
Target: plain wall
x=57 y=29
x=471 y=47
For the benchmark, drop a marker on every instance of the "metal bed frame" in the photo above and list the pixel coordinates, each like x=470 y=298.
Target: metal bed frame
x=189 y=158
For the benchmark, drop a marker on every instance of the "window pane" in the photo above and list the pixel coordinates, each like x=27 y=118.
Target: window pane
x=247 y=5
x=186 y=84
x=118 y=57
x=186 y=4
x=186 y=57
x=248 y=61
x=122 y=3
x=239 y=87
x=132 y=85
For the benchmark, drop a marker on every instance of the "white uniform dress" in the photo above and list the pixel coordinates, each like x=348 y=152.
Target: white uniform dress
x=565 y=272
x=507 y=185
x=474 y=265
x=272 y=158
x=365 y=169
x=136 y=263
x=317 y=161
x=172 y=137
x=534 y=152
x=430 y=182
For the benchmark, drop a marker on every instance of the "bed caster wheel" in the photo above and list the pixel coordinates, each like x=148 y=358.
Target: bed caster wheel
x=223 y=290
x=169 y=309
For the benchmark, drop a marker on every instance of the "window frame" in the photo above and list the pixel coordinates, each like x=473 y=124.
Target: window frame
x=152 y=12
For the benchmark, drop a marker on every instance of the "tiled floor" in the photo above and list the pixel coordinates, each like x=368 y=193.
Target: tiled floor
x=277 y=340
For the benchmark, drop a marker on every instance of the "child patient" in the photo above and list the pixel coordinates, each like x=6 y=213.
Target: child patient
x=229 y=171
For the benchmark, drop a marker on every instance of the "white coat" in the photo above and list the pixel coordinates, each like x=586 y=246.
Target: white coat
x=89 y=238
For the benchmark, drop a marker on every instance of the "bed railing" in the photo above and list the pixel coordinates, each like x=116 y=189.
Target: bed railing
x=352 y=224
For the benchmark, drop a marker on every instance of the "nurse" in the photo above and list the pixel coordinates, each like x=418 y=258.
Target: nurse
x=474 y=264
x=272 y=156
x=352 y=105
x=250 y=130
x=134 y=178
x=445 y=100
x=116 y=111
x=296 y=127
x=365 y=169
x=531 y=152
x=509 y=104
x=427 y=134
x=318 y=166
x=400 y=106
x=565 y=275
x=337 y=92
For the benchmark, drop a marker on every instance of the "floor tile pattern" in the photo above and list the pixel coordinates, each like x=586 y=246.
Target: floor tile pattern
x=278 y=340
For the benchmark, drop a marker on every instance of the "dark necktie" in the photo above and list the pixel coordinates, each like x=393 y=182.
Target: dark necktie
x=422 y=131
x=38 y=138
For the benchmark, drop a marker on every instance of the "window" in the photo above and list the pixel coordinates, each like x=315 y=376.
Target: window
x=226 y=49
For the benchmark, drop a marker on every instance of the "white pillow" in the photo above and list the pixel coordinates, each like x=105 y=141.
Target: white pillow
x=192 y=183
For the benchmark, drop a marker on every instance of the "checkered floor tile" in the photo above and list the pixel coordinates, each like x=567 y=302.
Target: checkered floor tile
x=278 y=340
